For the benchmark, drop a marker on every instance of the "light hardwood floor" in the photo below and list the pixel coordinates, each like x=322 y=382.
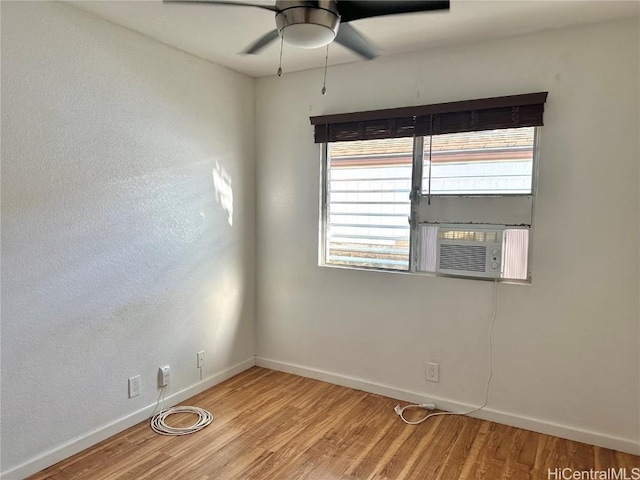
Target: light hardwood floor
x=272 y=425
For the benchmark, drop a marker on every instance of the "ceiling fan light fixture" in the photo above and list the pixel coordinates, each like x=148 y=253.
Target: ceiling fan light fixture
x=308 y=35
x=308 y=26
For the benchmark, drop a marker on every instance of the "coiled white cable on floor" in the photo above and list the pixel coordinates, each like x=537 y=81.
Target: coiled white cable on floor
x=159 y=425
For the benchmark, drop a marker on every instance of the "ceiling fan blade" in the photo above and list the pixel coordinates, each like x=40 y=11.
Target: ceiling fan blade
x=353 y=40
x=357 y=9
x=261 y=42
x=222 y=2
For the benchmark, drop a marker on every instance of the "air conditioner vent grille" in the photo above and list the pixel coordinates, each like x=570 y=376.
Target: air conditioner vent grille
x=464 y=258
x=469 y=251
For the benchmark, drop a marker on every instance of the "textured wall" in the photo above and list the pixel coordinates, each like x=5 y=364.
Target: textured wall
x=567 y=346
x=118 y=251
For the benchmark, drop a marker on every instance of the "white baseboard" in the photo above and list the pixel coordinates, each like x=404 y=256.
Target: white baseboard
x=93 y=437
x=505 y=418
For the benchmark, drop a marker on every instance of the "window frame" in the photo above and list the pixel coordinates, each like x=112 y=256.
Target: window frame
x=416 y=196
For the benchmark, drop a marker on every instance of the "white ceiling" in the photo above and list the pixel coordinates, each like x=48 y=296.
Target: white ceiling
x=217 y=33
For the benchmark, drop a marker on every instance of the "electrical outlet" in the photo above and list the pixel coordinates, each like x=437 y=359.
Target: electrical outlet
x=134 y=386
x=201 y=359
x=433 y=372
x=163 y=376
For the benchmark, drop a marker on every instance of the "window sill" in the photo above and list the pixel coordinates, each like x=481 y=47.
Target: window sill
x=424 y=274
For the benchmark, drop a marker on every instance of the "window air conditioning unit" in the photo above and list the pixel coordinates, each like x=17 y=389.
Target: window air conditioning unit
x=470 y=250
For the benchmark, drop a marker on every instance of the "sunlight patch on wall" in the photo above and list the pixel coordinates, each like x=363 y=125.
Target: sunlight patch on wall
x=224 y=190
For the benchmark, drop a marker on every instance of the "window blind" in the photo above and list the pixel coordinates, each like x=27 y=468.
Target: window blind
x=453 y=117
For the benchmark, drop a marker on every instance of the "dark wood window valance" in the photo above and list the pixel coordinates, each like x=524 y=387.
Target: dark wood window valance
x=452 y=117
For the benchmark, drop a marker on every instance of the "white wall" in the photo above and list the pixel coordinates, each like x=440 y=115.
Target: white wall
x=116 y=255
x=567 y=346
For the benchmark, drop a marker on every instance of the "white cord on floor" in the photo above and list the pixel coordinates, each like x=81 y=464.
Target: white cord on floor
x=158 y=420
x=400 y=410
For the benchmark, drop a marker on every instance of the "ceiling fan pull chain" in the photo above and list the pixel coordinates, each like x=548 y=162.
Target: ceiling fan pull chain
x=326 y=59
x=281 y=45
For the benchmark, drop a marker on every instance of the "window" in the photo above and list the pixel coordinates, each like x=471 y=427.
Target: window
x=443 y=189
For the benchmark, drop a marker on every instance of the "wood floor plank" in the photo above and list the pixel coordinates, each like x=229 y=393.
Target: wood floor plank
x=461 y=450
x=298 y=446
x=330 y=454
x=426 y=459
x=274 y=426
x=470 y=467
x=380 y=451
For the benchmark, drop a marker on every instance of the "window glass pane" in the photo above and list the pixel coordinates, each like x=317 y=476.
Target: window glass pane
x=368 y=203
x=490 y=162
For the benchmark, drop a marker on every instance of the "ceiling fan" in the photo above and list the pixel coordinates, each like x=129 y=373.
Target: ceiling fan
x=313 y=24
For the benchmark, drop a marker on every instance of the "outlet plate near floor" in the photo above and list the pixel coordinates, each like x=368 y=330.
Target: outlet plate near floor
x=433 y=372
x=201 y=359
x=163 y=376
x=134 y=386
